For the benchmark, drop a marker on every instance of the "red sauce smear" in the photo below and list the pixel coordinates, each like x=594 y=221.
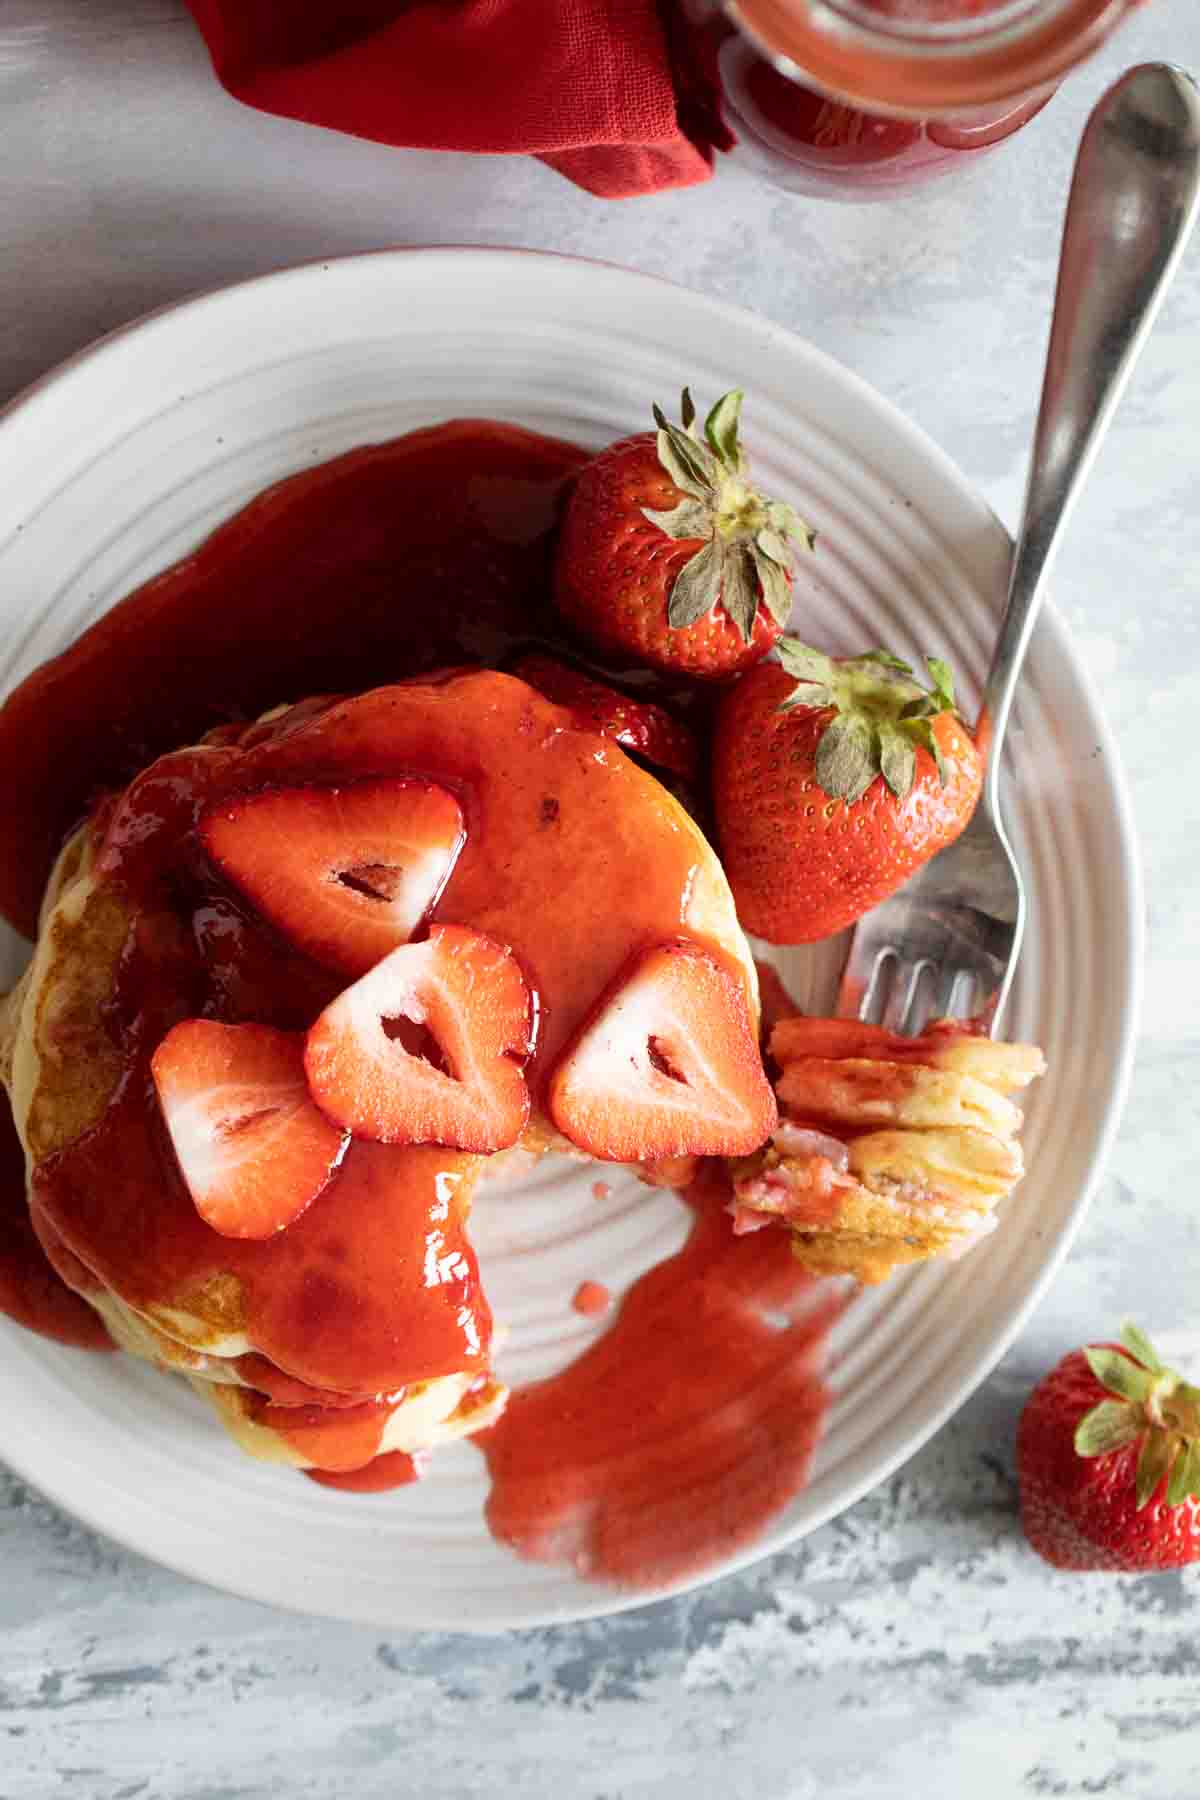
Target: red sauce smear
x=691 y=1423
x=340 y=1440
x=284 y=1391
x=30 y=1290
x=395 y=1468
x=591 y=1298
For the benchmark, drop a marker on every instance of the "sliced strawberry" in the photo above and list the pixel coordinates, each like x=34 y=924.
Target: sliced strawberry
x=346 y=873
x=667 y=1065
x=637 y=725
x=425 y=1048
x=252 y=1148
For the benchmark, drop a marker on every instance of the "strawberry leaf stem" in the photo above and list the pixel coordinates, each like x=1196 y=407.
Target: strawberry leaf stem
x=1153 y=1404
x=1108 y=1426
x=1153 y=1464
x=881 y=716
x=746 y=540
x=1140 y=1347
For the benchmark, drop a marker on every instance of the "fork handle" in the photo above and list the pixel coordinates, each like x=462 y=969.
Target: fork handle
x=1133 y=201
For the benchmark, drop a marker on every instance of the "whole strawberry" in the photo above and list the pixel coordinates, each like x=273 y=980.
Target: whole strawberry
x=1108 y=1461
x=832 y=783
x=668 y=556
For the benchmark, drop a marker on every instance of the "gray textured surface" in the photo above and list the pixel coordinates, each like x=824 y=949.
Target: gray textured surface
x=913 y=1646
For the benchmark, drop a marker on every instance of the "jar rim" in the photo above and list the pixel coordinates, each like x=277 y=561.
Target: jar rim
x=932 y=26
x=894 y=63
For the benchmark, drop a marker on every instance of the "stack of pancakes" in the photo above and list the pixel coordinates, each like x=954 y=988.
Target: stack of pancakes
x=575 y=857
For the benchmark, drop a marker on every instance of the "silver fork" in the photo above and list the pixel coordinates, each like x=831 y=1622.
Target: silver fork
x=947 y=943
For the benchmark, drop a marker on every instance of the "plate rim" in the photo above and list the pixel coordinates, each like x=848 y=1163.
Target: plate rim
x=609 y=1601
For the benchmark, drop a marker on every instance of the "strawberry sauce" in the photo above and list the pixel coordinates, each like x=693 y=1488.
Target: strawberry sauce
x=395 y=1468
x=340 y=1440
x=30 y=1290
x=591 y=1299
x=398 y=558
x=675 y=1438
x=692 y=1420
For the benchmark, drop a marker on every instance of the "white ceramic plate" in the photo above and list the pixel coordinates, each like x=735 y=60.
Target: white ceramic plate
x=124 y=459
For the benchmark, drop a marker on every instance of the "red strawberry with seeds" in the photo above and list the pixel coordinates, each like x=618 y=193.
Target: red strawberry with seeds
x=253 y=1149
x=426 y=1048
x=833 y=782
x=1108 y=1461
x=669 y=556
x=667 y=1065
x=345 y=873
x=637 y=725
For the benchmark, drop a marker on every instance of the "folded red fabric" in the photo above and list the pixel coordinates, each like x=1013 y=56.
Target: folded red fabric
x=590 y=86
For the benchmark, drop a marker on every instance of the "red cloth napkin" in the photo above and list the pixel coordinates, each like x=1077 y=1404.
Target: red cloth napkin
x=605 y=91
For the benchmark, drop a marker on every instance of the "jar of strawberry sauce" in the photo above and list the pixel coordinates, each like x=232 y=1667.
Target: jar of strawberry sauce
x=857 y=99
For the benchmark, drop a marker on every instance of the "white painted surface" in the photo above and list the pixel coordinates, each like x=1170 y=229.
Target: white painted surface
x=913 y=1645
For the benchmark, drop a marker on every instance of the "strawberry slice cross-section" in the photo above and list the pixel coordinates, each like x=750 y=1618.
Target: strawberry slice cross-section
x=667 y=1064
x=252 y=1148
x=345 y=873
x=427 y=1047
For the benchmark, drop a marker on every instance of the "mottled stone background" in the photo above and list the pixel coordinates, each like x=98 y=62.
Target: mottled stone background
x=914 y=1646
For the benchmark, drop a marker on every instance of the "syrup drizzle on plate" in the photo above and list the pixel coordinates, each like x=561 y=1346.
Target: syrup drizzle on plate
x=679 y=1433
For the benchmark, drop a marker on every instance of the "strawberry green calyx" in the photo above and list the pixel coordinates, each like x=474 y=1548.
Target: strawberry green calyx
x=882 y=715
x=1152 y=1403
x=746 y=557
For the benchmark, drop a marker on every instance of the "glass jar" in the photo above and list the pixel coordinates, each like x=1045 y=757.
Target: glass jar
x=856 y=99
